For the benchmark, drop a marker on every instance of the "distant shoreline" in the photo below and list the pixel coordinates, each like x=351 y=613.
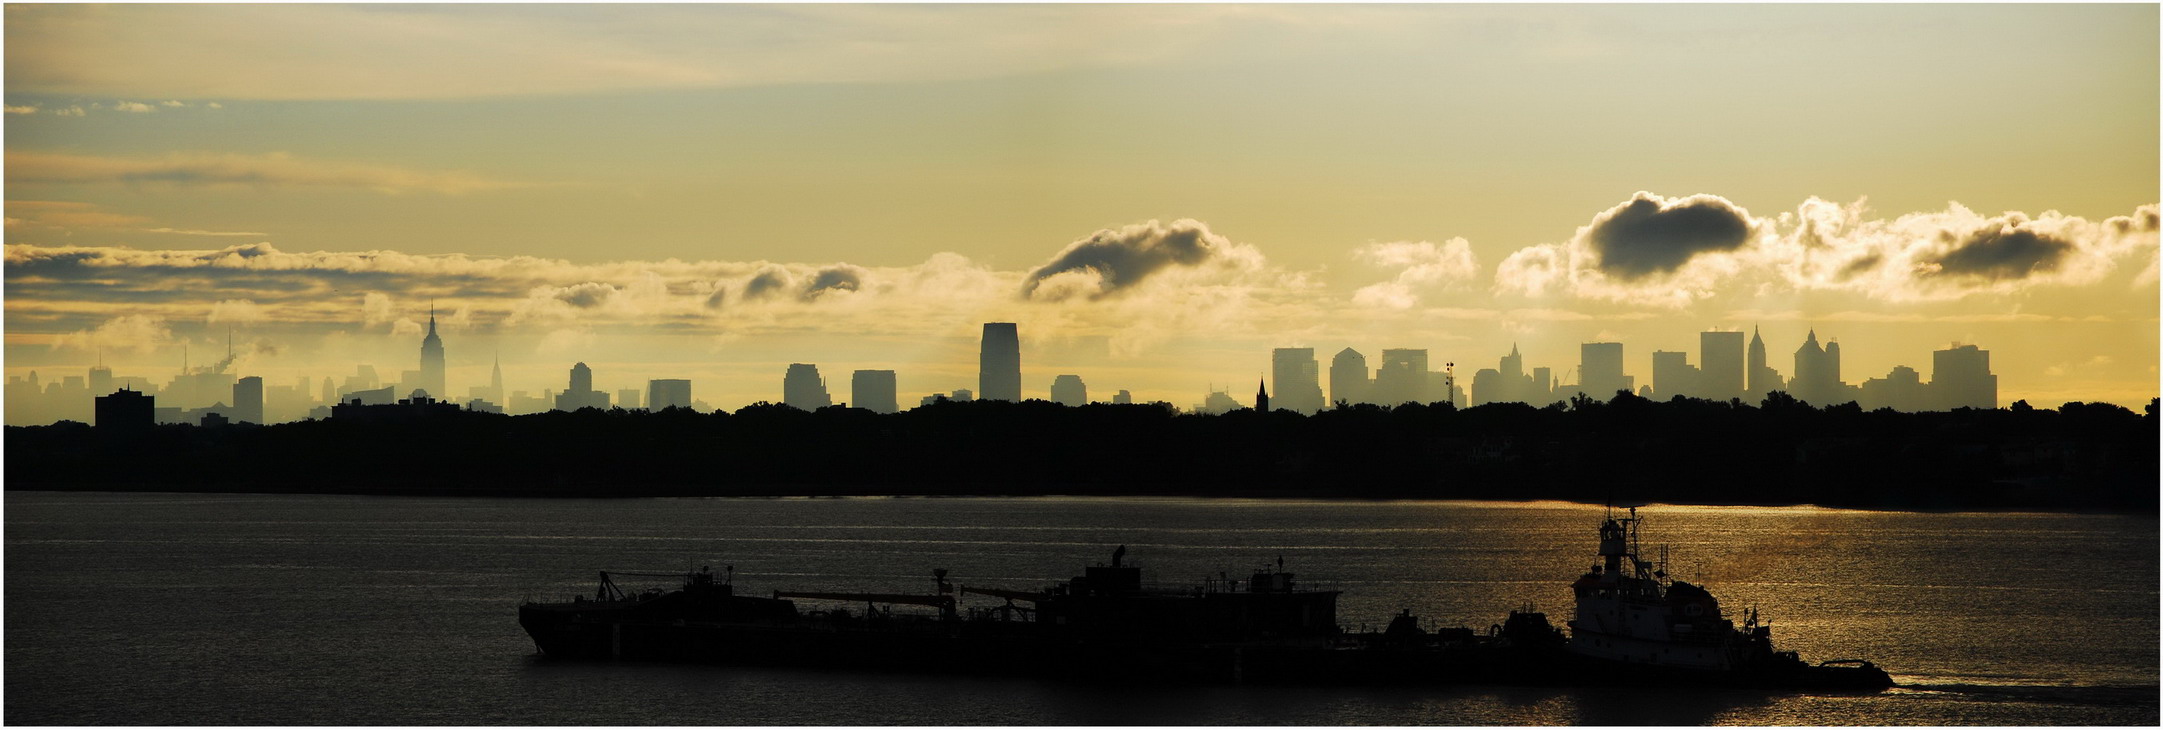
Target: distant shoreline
x=691 y=492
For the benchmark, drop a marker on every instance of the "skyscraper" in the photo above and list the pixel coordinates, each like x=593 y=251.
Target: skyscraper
x=803 y=388
x=1508 y=383
x=248 y=400
x=1672 y=375
x=495 y=381
x=873 y=390
x=662 y=394
x=999 y=363
x=580 y=394
x=1763 y=379
x=1068 y=390
x=1599 y=370
x=101 y=380
x=431 y=375
x=1719 y=365
x=125 y=410
x=1960 y=377
x=1403 y=378
x=1348 y=377
x=1817 y=373
x=1298 y=379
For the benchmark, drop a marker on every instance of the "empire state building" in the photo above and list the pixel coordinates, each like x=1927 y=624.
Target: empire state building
x=432 y=361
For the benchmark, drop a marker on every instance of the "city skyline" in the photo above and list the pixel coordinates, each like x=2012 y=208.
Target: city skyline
x=1960 y=377
x=683 y=201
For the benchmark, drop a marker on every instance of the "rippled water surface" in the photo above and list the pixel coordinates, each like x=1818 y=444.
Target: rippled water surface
x=267 y=609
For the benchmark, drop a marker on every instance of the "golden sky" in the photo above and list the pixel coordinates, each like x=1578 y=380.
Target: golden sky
x=1159 y=194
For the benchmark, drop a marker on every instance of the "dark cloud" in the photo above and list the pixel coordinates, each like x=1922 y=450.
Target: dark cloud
x=1123 y=258
x=1653 y=235
x=768 y=281
x=717 y=298
x=2143 y=220
x=1860 y=266
x=838 y=278
x=2001 y=252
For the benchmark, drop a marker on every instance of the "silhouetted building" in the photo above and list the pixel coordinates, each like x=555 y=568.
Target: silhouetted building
x=1261 y=396
x=581 y=393
x=803 y=388
x=1123 y=398
x=125 y=410
x=283 y=403
x=383 y=396
x=628 y=398
x=478 y=405
x=430 y=377
x=1719 y=366
x=1960 y=378
x=1672 y=375
x=248 y=400
x=1298 y=379
x=1763 y=379
x=1508 y=383
x=1901 y=390
x=1218 y=402
x=1068 y=390
x=213 y=419
x=1817 y=374
x=101 y=380
x=418 y=407
x=999 y=363
x=1599 y=370
x=664 y=394
x=1402 y=378
x=874 y=390
x=1348 y=378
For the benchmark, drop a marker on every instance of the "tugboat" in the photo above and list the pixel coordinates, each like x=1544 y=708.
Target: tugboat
x=1634 y=624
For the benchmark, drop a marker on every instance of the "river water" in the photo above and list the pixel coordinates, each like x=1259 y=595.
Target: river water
x=274 y=609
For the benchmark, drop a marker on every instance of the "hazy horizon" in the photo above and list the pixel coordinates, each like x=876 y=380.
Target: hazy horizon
x=1157 y=195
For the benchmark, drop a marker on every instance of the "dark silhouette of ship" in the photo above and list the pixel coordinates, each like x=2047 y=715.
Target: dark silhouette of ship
x=1633 y=626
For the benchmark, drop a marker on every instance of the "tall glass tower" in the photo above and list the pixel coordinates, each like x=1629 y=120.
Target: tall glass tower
x=999 y=363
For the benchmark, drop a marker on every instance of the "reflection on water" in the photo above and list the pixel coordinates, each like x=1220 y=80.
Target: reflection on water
x=312 y=610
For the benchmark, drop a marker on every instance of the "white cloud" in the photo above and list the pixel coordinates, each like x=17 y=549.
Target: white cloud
x=1421 y=264
x=235 y=311
x=137 y=332
x=133 y=107
x=376 y=308
x=26 y=109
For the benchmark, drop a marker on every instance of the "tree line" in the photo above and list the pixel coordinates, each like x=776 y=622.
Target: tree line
x=2079 y=456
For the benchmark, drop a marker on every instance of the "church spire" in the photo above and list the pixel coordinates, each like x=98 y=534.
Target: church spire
x=1261 y=395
